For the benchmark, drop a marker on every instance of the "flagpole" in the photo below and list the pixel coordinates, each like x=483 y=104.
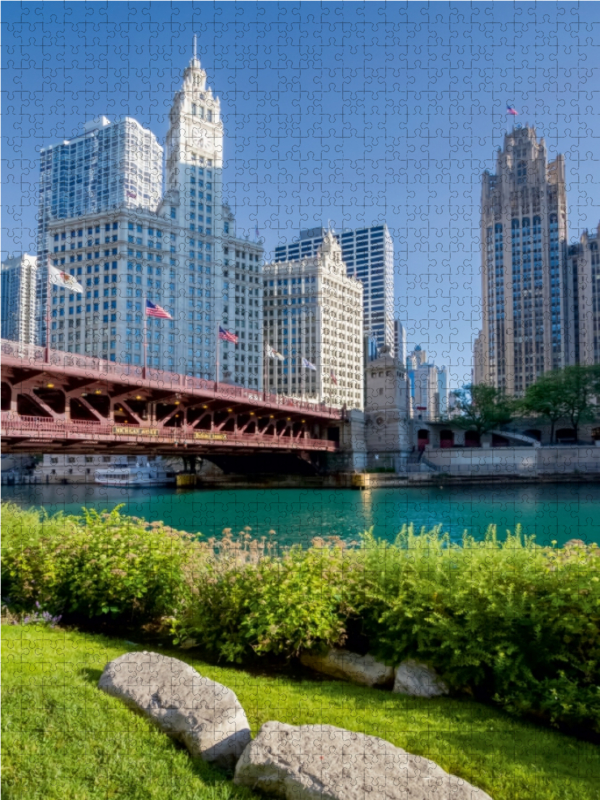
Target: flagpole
x=144 y=368
x=264 y=371
x=216 y=356
x=47 y=353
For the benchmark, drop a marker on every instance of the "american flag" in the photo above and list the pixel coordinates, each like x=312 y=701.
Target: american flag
x=512 y=111
x=152 y=310
x=227 y=336
x=333 y=378
x=132 y=194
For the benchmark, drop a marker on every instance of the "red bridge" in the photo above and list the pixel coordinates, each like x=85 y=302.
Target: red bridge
x=56 y=401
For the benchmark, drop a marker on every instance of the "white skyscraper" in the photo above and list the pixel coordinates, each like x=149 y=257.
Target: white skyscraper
x=229 y=291
x=181 y=253
x=18 y=298
x=428 y=386
x=109 y=166
x=312 y=317
x=368 y=254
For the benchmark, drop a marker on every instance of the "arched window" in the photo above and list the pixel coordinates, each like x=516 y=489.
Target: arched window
x=525 y=222
x=521 y=172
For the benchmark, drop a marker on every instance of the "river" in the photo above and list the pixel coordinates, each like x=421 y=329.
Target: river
x=549 y=511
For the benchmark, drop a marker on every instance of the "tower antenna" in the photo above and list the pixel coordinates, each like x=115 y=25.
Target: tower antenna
x=195 y=49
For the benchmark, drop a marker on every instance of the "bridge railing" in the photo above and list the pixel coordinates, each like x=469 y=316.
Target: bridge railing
x=27 y=426
x=36 y=355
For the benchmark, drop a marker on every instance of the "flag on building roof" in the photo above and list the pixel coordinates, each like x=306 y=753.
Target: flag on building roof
x=272 y=353
x=58 y=278
x=333 y=378
x=133 y=195
x=227 y=336
x=512 y=111
x=152 y=310
x=307 y=364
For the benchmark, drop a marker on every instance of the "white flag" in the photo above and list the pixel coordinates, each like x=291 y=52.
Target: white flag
x=307 y=365
x=63 y=279
x=272 y=353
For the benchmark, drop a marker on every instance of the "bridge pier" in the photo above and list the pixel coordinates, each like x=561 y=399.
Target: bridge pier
x=352 y=453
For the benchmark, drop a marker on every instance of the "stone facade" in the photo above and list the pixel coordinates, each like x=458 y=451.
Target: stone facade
x=312 y=313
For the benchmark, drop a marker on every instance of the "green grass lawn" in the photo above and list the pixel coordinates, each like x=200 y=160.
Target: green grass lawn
x=63 y=739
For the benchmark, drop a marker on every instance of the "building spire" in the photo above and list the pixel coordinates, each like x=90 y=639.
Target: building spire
x=195 y=47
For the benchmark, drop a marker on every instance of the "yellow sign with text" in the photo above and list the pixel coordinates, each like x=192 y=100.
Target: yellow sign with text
x=129 y=430
x=213 y=437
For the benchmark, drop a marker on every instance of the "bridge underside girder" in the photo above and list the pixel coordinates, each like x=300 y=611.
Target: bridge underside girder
x=49 y=407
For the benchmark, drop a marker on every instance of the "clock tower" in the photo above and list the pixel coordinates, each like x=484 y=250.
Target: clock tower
x=194 y=201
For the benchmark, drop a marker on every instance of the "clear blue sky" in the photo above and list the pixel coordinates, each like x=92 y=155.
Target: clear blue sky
x=355 y=113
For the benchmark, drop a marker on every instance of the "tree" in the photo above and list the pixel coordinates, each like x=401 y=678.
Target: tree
x=546 y=398
x=482 y=408
x=570 y=393
x=581 y=385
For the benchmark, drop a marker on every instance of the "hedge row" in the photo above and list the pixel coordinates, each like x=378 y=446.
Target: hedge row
x=508 y=621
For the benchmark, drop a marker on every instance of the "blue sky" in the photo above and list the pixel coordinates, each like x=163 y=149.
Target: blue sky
x=355 y=113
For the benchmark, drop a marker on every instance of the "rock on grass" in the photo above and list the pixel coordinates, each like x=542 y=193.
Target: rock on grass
x=202 y=714
x=322 y=762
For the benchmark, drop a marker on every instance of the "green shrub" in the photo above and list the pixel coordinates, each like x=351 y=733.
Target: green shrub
x=507 y=620
x=277 y=605
x=95 y=565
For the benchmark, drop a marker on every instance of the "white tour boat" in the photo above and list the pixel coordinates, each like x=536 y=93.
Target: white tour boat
x=138 y=471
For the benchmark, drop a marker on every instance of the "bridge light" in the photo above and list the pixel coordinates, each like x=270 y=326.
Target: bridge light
x=138 y=397
x=288 y=418
x=50 y=386
x=177 y=402
x=252 y=413
x=204 y=406
x=272 y=416
x=98 y=391
x=229 y=410
x=303 y=420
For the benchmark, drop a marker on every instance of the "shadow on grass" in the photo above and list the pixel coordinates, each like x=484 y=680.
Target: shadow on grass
x=211 y=776
x=90 y=675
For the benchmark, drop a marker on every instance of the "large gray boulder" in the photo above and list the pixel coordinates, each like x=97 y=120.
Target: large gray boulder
x=202 y=714
x=321 y=762
x=348 y=666
x=418 y=680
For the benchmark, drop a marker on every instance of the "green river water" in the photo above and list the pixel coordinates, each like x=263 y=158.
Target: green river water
x=549 y=511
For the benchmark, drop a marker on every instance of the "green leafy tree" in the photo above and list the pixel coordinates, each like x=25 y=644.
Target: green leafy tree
x=482 y=408
x=546 y=398
x=580 y=390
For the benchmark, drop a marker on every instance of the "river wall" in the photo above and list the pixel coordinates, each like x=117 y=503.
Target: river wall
x=517 y=461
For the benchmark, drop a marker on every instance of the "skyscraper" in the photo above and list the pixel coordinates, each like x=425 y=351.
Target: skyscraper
x=400 y=341
x=18 y=298
x=109 y=166
x=428 y=386
x=527 y=308
x=180 y=250
x=368 y=254
x=584 y=275
x=312 y=318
